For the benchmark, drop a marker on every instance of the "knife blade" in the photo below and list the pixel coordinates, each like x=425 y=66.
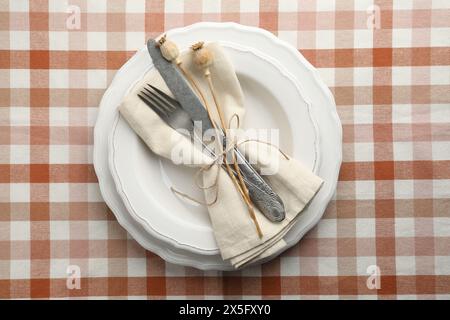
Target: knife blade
x=179 y=87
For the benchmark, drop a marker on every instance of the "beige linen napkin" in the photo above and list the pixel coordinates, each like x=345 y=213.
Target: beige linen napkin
x=233 y=228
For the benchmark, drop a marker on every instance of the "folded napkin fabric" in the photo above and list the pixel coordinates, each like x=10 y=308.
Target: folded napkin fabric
x=233 y=228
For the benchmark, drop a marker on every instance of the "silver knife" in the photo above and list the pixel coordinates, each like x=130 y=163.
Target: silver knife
x=261 y=194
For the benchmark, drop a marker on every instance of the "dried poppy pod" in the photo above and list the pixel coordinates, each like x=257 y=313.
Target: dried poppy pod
x=203 y=57
x=169 y=50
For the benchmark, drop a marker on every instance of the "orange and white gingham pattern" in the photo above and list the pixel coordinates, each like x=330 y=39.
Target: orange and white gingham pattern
x=387 y=63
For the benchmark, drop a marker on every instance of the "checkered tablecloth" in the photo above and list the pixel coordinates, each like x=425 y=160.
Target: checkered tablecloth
x=386 y=234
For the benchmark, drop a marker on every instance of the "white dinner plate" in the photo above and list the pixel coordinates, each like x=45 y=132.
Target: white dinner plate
x=273 y=100
x=323 y=109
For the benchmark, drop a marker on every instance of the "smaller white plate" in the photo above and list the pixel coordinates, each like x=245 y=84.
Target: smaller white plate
x=273 y=100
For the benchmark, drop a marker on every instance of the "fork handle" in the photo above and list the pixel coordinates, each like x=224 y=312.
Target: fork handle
x=261 y=193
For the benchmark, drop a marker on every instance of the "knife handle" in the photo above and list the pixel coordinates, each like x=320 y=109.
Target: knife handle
x=261 y=194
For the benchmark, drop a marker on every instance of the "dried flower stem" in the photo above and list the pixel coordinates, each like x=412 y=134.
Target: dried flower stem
x=204 y=59
x=244 y=192
x=236 y=167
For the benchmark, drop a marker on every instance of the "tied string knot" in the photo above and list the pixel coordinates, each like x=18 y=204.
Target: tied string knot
x=217 y=163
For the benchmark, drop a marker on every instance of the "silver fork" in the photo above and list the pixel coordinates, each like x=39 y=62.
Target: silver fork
x=169 y=110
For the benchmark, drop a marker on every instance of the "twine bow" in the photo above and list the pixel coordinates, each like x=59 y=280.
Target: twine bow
x=217 y=161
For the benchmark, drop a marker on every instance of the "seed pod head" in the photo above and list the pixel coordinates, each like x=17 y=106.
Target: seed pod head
x=203 y=57
x=169 y=49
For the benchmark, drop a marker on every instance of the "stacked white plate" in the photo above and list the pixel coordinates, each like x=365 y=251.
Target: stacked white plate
x=282 y=91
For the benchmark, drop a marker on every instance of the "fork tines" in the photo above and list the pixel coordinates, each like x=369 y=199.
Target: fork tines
x=158 y=101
